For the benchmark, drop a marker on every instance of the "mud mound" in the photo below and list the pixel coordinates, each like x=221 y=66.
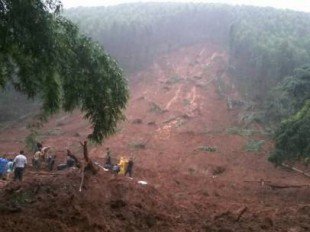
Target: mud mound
x=106 y=203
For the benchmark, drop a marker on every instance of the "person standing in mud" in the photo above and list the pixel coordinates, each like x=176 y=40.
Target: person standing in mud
x=129 y=167
x=19 y=163
x=71 y=159
x=51 y=162
x=10 y=169
x=108 y=161
x=36 y=162
x=39 y=146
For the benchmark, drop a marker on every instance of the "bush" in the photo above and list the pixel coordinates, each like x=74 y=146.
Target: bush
x=206 y=148
x=173 y=79
x=254 y=145
x=155 y=108
x=31 y=140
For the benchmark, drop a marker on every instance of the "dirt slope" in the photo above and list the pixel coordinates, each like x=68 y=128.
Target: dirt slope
x=187 y=143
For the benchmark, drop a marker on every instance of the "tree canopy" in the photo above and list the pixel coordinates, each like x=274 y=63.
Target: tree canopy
x=292 y=138
x=43 y=55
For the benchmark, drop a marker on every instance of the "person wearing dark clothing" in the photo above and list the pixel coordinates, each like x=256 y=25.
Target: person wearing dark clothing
x=115 y=169
x=39 y=146
x=108 y=160
x=108 y=157
x=71 y=160
x=129 y=168
x=50 y=162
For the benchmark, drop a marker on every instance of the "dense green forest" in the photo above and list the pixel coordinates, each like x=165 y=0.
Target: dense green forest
x=264 y=44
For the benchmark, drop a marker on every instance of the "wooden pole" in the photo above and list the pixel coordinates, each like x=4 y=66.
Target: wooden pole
x=82 y=180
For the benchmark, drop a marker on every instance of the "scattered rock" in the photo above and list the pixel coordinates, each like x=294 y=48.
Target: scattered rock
x=137 y=121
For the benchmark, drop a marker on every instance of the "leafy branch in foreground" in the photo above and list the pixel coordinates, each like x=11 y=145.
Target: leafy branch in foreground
x=44 y=56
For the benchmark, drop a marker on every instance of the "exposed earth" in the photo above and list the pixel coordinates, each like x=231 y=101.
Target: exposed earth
x=185 y=130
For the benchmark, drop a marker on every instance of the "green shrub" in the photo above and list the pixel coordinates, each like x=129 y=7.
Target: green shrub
x=155 y=108
x=173 y=79
x=31 y=140
x=254 y=145
x=206 y=148
x=137 y=145
x=239 y=131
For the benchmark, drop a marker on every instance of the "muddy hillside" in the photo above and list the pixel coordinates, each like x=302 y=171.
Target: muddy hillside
x=205 y=165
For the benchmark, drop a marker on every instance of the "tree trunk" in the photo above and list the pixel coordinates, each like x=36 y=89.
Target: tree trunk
x=89 y=163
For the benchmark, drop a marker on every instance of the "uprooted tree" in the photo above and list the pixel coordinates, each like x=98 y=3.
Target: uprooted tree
x=43 y=55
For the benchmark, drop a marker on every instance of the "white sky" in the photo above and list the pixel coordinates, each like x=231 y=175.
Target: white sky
x=299 y=5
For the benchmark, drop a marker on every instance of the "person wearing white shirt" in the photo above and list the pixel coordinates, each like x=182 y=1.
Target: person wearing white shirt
x=19 y=164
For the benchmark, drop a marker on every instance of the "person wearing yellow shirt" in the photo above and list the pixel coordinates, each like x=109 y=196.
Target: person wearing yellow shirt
x=122 y=165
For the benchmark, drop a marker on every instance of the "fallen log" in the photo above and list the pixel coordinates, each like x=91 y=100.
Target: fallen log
x=46 y=173
x=241 y=212
x=257 y=181
x=261 y=181
x=295 y=169
x=100 y=166
x=273 y=186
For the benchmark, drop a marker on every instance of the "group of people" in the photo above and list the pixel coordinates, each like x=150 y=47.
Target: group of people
x=42 y=155
x=124 y=166
x=16 y=165
x=19 y=163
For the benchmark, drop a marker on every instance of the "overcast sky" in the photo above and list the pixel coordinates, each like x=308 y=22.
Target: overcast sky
x=300 y=5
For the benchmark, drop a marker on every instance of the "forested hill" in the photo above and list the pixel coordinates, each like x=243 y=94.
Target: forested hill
x=264 y=44
x=268 y=50
x=134 y=33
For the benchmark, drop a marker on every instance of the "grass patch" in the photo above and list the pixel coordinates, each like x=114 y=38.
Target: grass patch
x=155 y=108
x=186 y=102
x=31 y=140
x=206 y=69
x=193 y=62
x=221 y=87
x=254 y=145
x=21 y=197
x=239 y=131
x=54 y=132
x=179 y=123
x=170 y=119
x=118 y=129
x=206 y=148
x=137 y=145
x=249 y=117
x=218 y=170
x=175 y=78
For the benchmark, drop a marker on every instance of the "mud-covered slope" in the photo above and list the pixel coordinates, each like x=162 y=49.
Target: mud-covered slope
x=105 y=203
x=185 y=134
